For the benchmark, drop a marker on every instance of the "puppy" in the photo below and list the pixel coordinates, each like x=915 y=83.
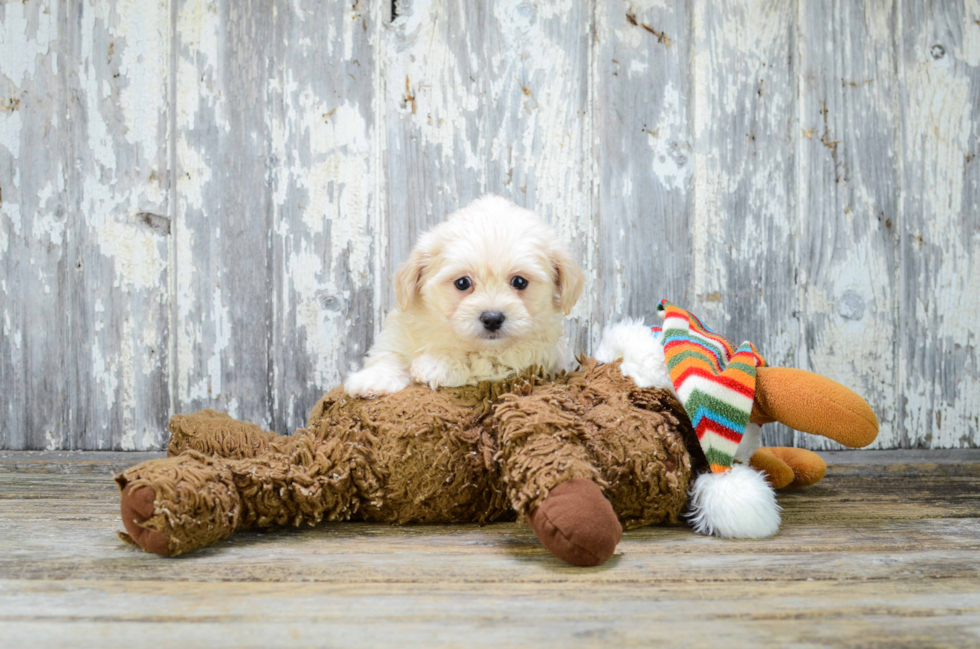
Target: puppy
x=481 y=297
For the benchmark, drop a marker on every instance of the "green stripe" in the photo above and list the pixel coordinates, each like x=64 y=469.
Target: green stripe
x=674 y=332
x=744 y=367
x=716 y=456
x=699 y=399
x=688 y=353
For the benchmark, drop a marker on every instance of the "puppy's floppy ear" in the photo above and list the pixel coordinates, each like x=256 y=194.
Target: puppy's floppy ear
x=408 y=279
x=569 y=279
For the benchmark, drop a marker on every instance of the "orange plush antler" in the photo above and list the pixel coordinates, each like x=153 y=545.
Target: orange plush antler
x=814 y=404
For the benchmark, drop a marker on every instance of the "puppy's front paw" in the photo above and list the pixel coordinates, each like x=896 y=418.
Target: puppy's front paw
x=437 y=371
x=376 y=380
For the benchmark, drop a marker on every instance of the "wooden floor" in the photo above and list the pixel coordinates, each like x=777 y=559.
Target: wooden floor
x=883 y=552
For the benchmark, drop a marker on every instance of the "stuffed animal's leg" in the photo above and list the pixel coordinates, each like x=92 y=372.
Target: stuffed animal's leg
x=789 y=467
x=216 y=433
x=551 y=479
x=814 y=404
x=178 y=504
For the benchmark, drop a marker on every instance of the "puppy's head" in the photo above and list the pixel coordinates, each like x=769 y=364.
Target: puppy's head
x=493 y=272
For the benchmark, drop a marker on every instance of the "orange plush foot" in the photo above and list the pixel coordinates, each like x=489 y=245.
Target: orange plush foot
x=577 y=524
x=778 y=473
x=789 y=467
x=811 y=403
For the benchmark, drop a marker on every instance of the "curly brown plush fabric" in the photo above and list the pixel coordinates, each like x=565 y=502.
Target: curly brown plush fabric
x=473 y=454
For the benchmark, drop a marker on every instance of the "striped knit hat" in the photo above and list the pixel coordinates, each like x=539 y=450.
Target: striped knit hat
x=714 y=381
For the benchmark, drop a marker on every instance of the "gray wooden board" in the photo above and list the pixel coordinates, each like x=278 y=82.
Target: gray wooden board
x=884 y=548
x=939 y=77
x=849 y=215
x=224 y=226
x=119 y=223
x=644 y=157
x=202 y=201
x=36 y=367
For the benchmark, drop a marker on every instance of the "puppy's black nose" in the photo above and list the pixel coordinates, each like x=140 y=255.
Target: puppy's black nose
x=492 y=320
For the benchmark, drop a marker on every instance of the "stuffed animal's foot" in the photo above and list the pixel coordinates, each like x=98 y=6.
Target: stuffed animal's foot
x=577 y=524
x=138 y=505
x=789 y=467
x=178 y=504
x=811 y=403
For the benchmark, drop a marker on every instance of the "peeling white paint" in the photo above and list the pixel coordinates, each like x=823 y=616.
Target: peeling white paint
x=338 y=184
x=105 y=373
x=668 y=139
x=10 y=213
x=126 y=366
x=304 y=268
x=440 y=110
x=10 y=132
x=145 y=65
x=203 y=324
x=136 y=253
x=24 y=38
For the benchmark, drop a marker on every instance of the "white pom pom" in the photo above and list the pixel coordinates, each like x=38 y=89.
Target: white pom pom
x=739 y=504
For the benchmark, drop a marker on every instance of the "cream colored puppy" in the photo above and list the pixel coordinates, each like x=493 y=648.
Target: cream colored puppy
x=481 y=297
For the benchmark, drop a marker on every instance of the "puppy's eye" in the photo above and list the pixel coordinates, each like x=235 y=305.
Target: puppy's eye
x=519 y=283
x=463 y=283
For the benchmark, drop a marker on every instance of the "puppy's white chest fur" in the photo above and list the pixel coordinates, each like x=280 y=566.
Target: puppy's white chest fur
x=465 y=369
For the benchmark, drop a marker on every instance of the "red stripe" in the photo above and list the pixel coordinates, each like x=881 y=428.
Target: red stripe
x=721 y=379
x=718 y=429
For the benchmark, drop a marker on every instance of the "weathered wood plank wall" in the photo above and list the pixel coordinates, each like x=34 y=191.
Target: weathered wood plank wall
x=202 y=200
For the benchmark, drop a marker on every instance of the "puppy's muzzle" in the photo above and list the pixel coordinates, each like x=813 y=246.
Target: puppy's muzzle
x=492 y=320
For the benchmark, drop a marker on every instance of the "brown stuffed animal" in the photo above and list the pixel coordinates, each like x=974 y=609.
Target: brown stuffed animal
x=581 y=456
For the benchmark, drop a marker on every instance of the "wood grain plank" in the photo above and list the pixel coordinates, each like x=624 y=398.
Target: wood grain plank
x=780 y=614
x=644 y=152
x=940 y=86
x=224 y=225
x=325 y=172
x=896 y=524
x=36 y=364
x=937 y=534
x=882 y=550
x=120 y=226
x=538 y=142
x=850 y=274
x=744 y=214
